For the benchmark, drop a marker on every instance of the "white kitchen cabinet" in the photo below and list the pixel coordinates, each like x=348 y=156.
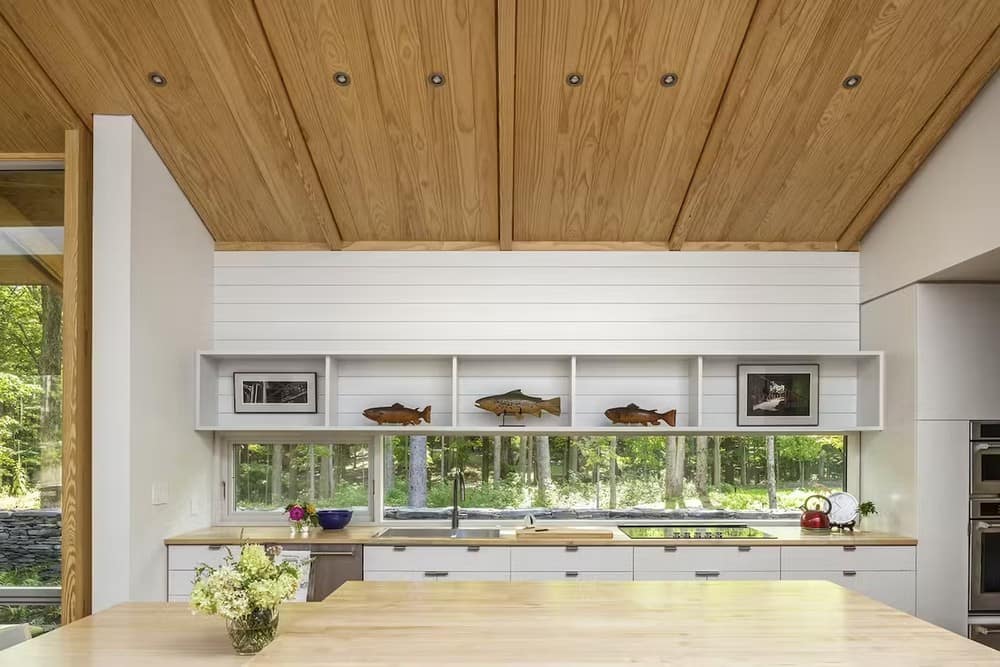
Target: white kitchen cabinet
x=435 y=575
x=182 y=561
x=896 y=589
x=848 y=558
x=459 y=563
x=707 y=575
x=457 y=559
x=571 y=559
x=570 y=575
x=188 y=557
x=721 y=558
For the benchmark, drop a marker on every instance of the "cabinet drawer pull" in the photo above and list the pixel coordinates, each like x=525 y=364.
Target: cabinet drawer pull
x=850 y=548
x=743 y=548
x=572 y=548
x=472 y=548
x=435 y=574
x=706 y=573
x=214 y=547
x=850 y=573
x=670 y=549
x=572 y=574
x=399 y=548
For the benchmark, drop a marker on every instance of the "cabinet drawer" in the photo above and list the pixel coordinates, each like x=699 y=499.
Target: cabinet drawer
x=447 y=559
x=435 y=575
x=575 y=559
x=708 y=575
x=849 y=558
x=723 y=558
x=189 y=557
x=571 y=575
x=180 y=582
x=387 y=575
x=894 y=588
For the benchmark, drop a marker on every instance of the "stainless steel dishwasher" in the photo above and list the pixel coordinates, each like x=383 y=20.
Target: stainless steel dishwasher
x=332 y=565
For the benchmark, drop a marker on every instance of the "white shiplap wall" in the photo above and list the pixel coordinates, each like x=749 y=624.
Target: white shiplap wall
x=536 y=302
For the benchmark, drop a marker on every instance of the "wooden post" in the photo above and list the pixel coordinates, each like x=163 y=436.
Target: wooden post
x=76 y=451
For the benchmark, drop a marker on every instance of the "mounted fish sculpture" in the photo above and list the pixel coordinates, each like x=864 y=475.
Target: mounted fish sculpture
x=633 y=414
x=518 y=403
x=398 y=414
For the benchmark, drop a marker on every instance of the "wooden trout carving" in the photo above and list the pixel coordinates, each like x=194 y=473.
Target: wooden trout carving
x=633 y=414
x=518 y=403
x=398 y=414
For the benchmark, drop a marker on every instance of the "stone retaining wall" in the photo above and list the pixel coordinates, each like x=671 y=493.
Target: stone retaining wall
x=31 y=538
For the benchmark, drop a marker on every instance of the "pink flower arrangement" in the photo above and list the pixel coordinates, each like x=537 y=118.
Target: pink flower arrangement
x=302 y=513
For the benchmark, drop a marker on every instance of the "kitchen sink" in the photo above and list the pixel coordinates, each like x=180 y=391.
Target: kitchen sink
x=438 y=533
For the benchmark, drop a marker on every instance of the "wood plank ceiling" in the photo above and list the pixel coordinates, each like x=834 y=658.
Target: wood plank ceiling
x=754 y=143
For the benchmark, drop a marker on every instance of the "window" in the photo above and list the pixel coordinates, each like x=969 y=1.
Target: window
x=31 y=240
x=269 y=475
x=611 y=477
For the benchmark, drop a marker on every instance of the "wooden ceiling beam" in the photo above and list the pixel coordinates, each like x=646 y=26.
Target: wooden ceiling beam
x=979 y=71
x=506 y=66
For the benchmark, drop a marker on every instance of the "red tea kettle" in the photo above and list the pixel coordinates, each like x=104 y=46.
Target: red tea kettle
x=814 y=518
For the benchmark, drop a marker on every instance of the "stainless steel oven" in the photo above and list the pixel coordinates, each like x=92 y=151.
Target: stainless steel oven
x=985 y=634
x=985 y=463
x=984 y=555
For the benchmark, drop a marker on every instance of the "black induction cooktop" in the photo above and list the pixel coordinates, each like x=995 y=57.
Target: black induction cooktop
x=727 y=532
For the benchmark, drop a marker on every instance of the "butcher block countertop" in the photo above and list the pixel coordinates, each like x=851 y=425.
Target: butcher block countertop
x=536 y=623
x=785 y=536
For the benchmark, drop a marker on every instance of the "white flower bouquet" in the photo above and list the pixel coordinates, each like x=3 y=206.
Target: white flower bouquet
x=246 y=592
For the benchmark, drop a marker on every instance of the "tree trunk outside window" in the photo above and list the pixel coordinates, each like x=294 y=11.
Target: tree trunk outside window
x=417 y=483
x=772 y=492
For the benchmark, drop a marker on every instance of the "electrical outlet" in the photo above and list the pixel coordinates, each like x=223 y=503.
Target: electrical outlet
x=159 y=493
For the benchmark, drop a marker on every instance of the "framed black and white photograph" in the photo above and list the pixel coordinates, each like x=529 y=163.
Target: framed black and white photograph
x=274 y=393
x=778 y=395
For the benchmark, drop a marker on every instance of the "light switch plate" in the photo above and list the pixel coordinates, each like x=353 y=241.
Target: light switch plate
x=159 y=493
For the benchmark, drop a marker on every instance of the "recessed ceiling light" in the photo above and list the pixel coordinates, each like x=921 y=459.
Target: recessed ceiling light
x=574 y=79
x=852 y=81
x=342 y=78
x=668 y=80
x=157 y=79
x=436 y=79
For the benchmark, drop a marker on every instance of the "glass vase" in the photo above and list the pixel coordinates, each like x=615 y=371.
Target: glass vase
x=254 y=631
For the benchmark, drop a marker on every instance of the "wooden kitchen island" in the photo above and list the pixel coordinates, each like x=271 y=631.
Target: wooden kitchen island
x=536 y=623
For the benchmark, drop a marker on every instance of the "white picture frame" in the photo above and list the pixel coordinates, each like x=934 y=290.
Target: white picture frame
x=763 y=388
x=274 y=393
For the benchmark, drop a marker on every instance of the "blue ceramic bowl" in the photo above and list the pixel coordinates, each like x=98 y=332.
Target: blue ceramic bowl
x=334 y=519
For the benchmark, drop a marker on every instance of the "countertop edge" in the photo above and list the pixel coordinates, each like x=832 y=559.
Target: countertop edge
x=363 y=535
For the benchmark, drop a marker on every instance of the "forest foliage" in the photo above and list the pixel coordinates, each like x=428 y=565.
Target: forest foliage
x=30 y=390
x=505 y=472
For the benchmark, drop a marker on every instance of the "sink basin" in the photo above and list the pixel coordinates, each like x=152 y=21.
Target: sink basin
x=438 y=533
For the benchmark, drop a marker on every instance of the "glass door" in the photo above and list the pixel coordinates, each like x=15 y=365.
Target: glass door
x=31 y=276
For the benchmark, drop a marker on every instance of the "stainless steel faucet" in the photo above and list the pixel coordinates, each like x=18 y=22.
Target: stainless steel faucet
x=458 y=494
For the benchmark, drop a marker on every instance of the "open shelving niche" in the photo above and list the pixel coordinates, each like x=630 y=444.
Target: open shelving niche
x=702 y=388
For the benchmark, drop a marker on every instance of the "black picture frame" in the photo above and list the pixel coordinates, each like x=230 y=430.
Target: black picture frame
x=309 y=406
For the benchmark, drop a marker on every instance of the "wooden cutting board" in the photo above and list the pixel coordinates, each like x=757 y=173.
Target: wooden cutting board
x=564 y=533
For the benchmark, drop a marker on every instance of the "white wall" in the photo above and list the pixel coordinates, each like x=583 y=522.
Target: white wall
x=888 y=457
x=152 y=309
x=943 y=370
x=537 y=303
x=948 y=212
